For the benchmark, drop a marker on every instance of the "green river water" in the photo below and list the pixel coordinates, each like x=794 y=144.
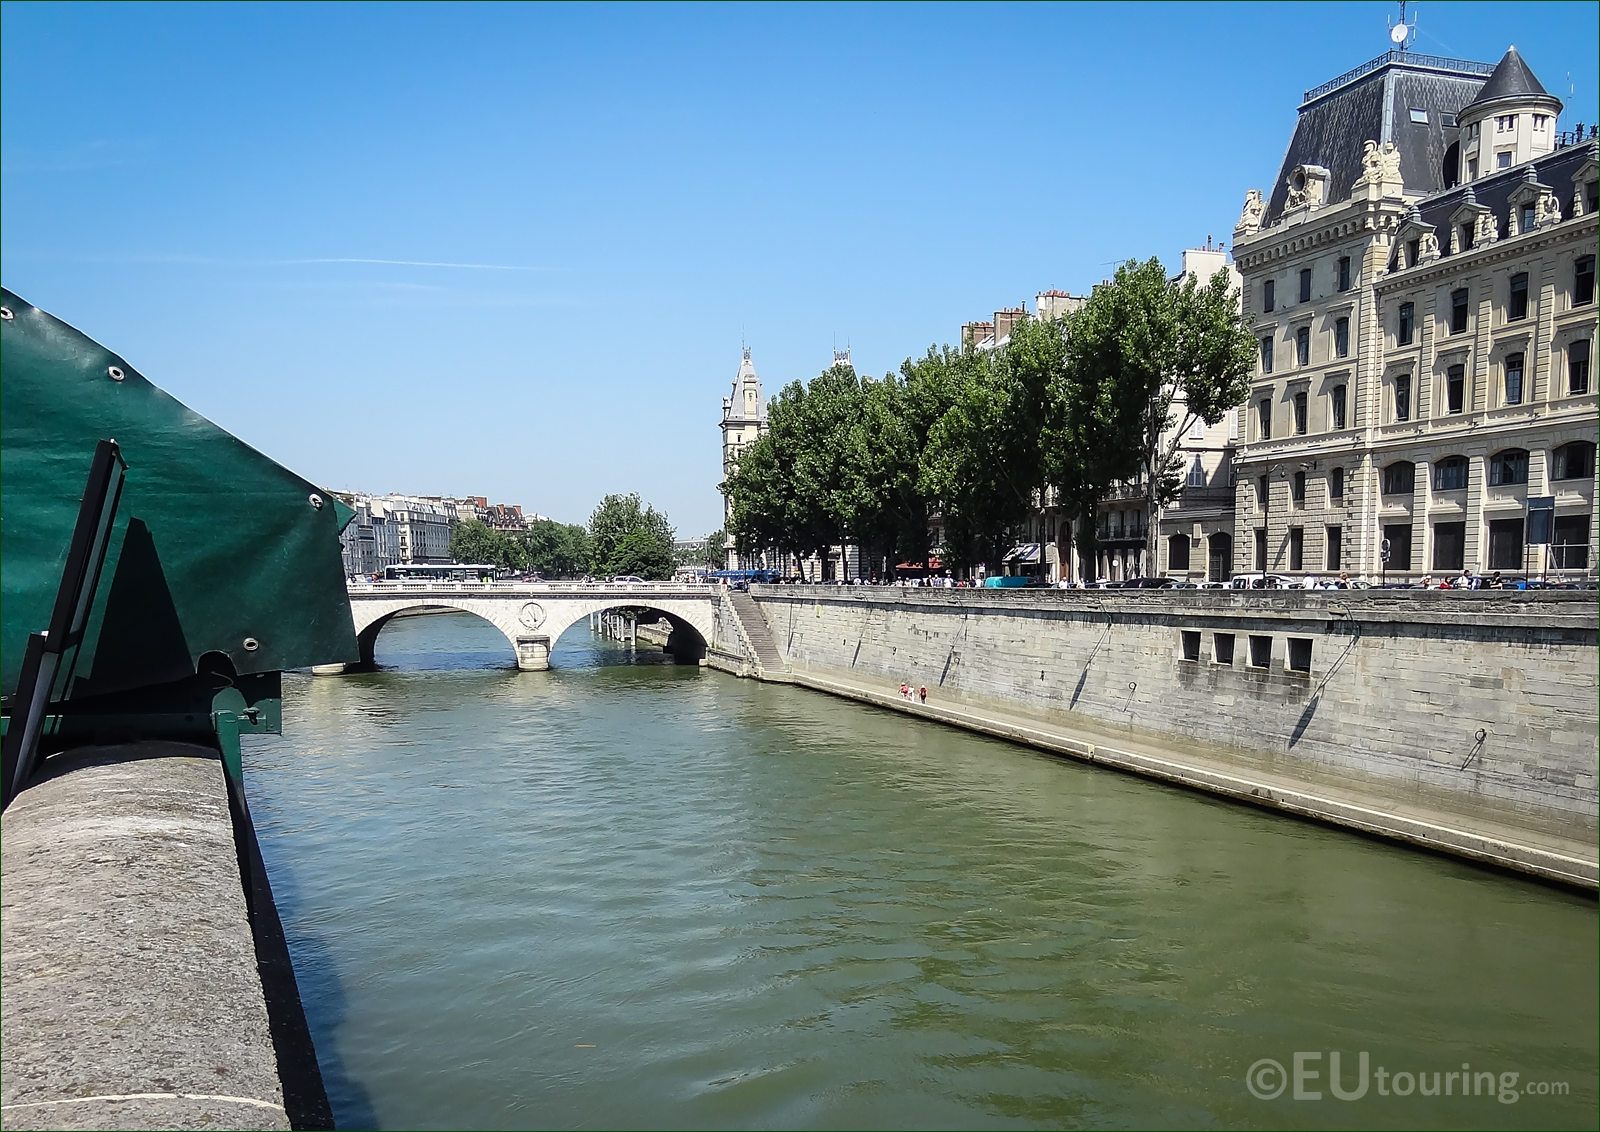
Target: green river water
x=624 y=893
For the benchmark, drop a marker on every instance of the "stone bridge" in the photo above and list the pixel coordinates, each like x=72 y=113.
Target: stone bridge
x=533 y=615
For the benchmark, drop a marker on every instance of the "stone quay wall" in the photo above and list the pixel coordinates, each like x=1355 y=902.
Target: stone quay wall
x=1477 y=707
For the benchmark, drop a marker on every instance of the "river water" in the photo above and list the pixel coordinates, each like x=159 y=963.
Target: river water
x=627 y=894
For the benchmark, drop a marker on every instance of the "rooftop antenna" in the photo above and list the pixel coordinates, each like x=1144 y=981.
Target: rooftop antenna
x=1400 y=32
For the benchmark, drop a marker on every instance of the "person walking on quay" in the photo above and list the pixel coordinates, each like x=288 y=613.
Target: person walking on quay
x=905 y=690
x=922 y=693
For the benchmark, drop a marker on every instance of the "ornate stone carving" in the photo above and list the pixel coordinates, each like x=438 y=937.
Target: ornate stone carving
x=1428 y=247
x=1250 y=217
x=1308 y=187
x=1380 y=165
x=1549 y=210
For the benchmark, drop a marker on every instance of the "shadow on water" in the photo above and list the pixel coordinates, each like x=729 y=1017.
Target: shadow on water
x=322 y=995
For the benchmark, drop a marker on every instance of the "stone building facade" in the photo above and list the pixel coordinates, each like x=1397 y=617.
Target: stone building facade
x=1422 y=283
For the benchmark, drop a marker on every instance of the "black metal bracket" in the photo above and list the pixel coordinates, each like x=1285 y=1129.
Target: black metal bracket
x=86 y=553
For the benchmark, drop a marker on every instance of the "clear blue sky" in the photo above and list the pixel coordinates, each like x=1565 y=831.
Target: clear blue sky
x=512 y=250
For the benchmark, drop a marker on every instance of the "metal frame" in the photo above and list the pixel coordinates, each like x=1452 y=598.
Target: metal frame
x=86 y=554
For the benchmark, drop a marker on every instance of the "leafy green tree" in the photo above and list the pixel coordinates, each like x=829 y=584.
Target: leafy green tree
x=624 y=533
x=474 y=541
x=1140 y=346
x=556 y=550
x=643 y=554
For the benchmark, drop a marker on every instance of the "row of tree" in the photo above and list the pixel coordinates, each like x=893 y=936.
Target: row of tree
x=982 y=439
x=625 y=536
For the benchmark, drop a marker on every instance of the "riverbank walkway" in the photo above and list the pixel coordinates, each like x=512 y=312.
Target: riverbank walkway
x=1237 y=775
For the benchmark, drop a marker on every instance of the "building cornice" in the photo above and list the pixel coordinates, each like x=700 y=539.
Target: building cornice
x=1484 y=255
x=1325 y=226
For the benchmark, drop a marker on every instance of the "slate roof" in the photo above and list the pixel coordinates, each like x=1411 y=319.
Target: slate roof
x=1374 y=103
x=1512 y=79
x=1553 y=169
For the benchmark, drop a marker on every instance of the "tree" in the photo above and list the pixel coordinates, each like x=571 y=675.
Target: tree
x=475 y=542
x=556 y=550
x=625 y=533
x=1141 y=344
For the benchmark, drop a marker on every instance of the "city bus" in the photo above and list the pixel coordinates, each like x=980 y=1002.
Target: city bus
x=440 y=572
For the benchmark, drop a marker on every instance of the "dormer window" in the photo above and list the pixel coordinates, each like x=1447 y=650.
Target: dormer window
x=1413 y=252
x=1525 y=218
x=1468 y=231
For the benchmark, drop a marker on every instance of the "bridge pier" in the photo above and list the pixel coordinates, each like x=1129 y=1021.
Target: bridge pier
x=330 y=669
x=533 y=653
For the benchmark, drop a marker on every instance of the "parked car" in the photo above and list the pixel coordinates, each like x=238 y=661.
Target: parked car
x=631 y=579
x=1263 y=582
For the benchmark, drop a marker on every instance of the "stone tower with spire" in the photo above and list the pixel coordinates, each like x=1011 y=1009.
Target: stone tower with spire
x=744 y=419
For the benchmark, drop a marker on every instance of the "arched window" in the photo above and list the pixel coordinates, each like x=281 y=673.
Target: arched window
x=1574 y=461
x=1449 y=473
x=1507 y=467
x=1178 y=552
x=1399 y=478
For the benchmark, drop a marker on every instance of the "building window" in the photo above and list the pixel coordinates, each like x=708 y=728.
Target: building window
x=1518 y=307
x=1336 y=486
x=1197 y=473
x=1505 y=123
x=1508 y=467
x=1408 y=324
x=1525 y=219
x=1505 y=544
x=1502 y=160
x=1413 y=252
x=1261 y=548
x=1297 y=494
x=1583 y=280
x=1222 y=647
x=1263 y=487
x=1341 y=337
x=1450 y=473
x=1344 y=273
x=1266 y=353
x=1539 y=121
x=1402 y=397
x=1297 y=548
x=1302 y=345
x=1513 y=379
x=1264 y=418
x=1578 y=367
x=1335 y=542
x=1398 y=536
x=1178 y=552
x=1300 y=414
x=1570 y=548
x=1260 y=651
x=1466 y=241
x=1399 y=478
x=1449 y=546
x=1269 y=299
x=1336 y=407
x=1455 y=389
x=1191 y=643
x=1574 y=461
x=1458 y=310
x=1305 y=284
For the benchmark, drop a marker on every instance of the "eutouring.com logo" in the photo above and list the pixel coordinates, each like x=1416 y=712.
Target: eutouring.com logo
x=1314 y=1075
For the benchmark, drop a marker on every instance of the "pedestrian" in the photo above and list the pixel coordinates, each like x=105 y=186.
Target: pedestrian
x=1494 y=581
x=1427 y=581
x=922 y=693
x=1344 y=579
x=905 y=690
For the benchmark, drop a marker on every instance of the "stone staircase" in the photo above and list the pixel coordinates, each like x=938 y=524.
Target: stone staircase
x=757 y=635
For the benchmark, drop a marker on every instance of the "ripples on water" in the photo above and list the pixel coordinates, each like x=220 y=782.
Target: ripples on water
x=625 y=894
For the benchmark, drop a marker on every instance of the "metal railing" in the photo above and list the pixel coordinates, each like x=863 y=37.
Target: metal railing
x=1437 y=62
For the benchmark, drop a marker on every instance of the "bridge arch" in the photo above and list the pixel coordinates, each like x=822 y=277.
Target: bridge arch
x=369 y=627
x=688 y=642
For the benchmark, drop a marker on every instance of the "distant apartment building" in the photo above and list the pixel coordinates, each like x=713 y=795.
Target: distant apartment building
x=1421 y=279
